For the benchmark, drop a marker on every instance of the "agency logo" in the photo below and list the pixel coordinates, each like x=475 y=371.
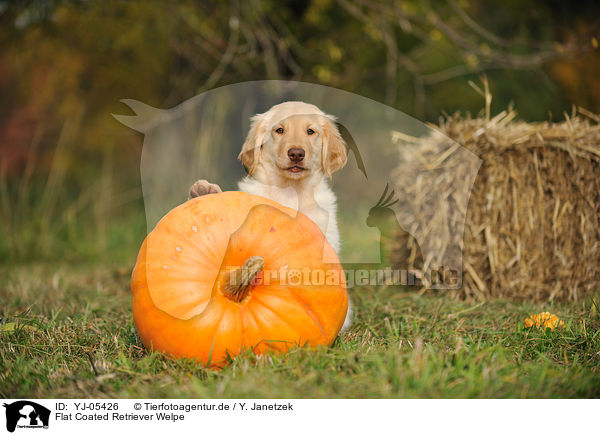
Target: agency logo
x=25 y=414
x=411 y=234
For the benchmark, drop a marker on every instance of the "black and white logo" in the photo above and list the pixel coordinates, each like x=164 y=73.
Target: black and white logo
x=25 y=414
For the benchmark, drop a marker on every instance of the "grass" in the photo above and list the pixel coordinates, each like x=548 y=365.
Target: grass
x=66 y=328
x=67 y=331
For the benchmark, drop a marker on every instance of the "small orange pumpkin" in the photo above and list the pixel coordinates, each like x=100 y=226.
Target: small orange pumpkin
x=219 y=275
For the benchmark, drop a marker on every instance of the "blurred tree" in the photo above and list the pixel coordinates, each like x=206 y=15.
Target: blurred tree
x=75 y=59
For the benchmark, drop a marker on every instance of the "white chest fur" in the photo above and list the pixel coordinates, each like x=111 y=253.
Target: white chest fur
x=321 y=208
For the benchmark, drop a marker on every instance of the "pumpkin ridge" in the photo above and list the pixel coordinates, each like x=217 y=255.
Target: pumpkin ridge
x=308 y=309
x=290 y=325
x=247 y=311
x=214 y=338
x=262 y=304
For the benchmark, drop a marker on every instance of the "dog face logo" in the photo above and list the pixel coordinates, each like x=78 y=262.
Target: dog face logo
x=420 y=217
x=26 y=414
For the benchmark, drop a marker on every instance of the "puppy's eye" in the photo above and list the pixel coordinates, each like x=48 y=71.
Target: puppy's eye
x=310 y=131
x=279 y=130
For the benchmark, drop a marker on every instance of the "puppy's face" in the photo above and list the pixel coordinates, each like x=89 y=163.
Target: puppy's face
x=293 y=141
x=294 y=146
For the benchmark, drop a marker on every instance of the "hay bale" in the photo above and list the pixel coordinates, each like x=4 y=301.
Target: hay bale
x=532 y=224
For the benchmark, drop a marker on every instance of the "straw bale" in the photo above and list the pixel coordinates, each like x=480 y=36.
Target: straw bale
x=532 y=223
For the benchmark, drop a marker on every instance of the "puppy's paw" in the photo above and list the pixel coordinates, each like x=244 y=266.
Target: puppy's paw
x=203 y=187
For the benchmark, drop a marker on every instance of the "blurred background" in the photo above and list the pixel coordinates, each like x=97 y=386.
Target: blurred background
x=69 y=172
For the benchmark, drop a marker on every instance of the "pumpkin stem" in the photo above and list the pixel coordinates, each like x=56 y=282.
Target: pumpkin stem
x=238 y=282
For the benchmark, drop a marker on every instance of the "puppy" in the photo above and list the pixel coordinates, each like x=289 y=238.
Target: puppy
x=290 y=152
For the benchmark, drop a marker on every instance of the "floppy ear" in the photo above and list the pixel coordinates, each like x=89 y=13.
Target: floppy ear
x=250 y=153
x=334 y=147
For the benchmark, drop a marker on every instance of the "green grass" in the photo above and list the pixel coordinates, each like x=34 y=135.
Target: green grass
x=59 y=320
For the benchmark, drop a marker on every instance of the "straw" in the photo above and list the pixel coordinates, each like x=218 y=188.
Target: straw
x=532 y=224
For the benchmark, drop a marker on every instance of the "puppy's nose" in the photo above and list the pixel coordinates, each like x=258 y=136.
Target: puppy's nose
x=296 y=155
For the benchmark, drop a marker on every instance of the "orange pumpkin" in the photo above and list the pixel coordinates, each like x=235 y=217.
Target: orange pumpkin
x=219 y=275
